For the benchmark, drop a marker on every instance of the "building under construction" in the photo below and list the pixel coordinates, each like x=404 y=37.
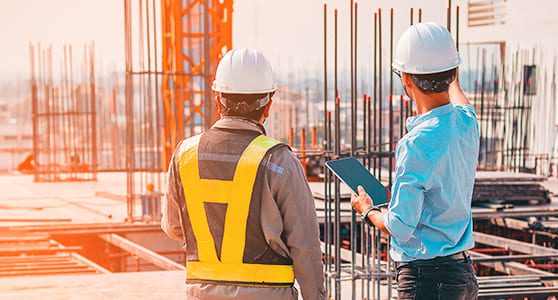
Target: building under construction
x=87 y=176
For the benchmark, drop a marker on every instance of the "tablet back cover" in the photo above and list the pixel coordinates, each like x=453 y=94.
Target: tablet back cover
x=353 y=173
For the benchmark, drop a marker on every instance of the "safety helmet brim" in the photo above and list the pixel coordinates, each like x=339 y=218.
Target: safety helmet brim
x=402 y=69
x=226 y=90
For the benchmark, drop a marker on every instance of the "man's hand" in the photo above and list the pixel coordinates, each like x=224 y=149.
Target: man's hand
x=361 y=201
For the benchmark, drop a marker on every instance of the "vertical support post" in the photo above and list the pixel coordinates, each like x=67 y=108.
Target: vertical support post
x=303 y=149
x=380 y=97
x=130 y=149
x=93 y=108
x=34 y=110
x=448 y=12
x=457 y=27
x=207 y=65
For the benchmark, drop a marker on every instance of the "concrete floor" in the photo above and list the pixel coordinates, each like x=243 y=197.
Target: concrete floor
x=133 y=285
x=79 y=202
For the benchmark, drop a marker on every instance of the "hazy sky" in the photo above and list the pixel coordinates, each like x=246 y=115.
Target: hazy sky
x=289 y=32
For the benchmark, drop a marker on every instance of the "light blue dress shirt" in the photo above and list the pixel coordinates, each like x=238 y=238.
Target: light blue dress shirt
x=430 y=210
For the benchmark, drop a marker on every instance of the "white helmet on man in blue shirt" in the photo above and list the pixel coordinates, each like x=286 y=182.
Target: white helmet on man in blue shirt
x=426 y=48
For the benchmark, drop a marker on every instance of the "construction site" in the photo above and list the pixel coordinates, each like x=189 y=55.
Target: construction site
x=87 y=142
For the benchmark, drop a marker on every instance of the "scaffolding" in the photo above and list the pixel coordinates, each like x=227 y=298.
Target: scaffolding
x=172 y=51
x=64 y=116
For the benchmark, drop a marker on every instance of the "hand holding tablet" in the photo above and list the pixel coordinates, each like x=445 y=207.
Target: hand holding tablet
x=354 y=174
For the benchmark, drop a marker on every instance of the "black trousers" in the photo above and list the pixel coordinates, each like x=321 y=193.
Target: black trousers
x=437 y=280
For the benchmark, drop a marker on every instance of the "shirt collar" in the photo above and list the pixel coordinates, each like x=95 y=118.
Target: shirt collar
x=239 y=123
x=412 y=122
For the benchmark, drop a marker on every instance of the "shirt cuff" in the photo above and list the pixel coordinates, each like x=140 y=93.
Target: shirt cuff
x=398 y=230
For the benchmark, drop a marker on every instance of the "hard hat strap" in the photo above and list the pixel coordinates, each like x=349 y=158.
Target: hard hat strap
x=244 y=106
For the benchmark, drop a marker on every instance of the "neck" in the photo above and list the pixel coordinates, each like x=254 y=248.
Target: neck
x=428 y=102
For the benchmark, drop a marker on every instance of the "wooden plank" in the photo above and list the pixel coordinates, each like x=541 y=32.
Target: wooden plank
x=512 y=268
x=46 y=272
x=514 y=213
x=83 y=259
x=39 y=268
x=142 y=252
x=39 y=263
x=30 y=238
x=34 y=258
x=510 y=244
x=517 y=292
x=514 y=257
x=28 y=250
x=35 y=220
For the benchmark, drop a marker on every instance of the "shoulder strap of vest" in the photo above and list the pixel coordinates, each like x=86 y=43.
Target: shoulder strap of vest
x=189 y=143
x=265 y=142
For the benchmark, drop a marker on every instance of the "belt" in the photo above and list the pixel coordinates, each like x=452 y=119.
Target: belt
x=459 y=256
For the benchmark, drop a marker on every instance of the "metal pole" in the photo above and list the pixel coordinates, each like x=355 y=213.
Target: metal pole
x=375 y=143
x=207 y=63
x=448 y=11
x=390 y=99
x=93 y=112
x=337 y=209
x=325 y=71
x=380 y=98
x=457 y=27
x=482 y=118
x=353 y=140
x=401 y=117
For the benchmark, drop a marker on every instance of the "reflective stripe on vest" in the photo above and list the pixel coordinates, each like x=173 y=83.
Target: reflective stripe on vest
x=237 y=194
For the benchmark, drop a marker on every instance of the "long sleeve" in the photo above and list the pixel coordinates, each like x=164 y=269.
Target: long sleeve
x=171 y=221
x=300 y=228
x=411 y=182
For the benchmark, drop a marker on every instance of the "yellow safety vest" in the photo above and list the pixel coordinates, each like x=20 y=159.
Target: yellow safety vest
x=237 y=194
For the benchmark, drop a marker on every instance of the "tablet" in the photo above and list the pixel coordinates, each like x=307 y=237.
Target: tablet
x=353 y=173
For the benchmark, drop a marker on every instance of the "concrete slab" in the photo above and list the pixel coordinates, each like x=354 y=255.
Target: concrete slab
x=134 y=285
x=24 y=202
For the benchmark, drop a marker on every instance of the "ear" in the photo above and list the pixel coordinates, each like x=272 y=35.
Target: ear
x=407 y=81
x=265 y=114
x=219 y=104
x=267 y=108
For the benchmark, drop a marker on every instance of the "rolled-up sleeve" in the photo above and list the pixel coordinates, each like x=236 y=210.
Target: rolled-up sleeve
x=171 y=221
x=412 y=174
x=300 y=228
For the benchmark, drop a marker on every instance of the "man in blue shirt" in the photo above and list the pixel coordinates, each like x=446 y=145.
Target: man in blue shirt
x=429 y=216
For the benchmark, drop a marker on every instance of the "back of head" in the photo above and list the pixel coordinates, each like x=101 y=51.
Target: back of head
x=427 y=52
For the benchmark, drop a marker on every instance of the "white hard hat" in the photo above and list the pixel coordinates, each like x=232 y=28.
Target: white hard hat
x=426 y=48
x=244 y=71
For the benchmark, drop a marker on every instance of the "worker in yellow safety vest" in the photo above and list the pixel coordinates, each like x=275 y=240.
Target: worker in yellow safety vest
x=240 y=201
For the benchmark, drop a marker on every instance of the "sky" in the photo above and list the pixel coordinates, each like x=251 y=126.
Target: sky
x=289 y=32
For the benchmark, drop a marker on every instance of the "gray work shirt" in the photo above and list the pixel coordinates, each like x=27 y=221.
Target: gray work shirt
x=288 y=219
